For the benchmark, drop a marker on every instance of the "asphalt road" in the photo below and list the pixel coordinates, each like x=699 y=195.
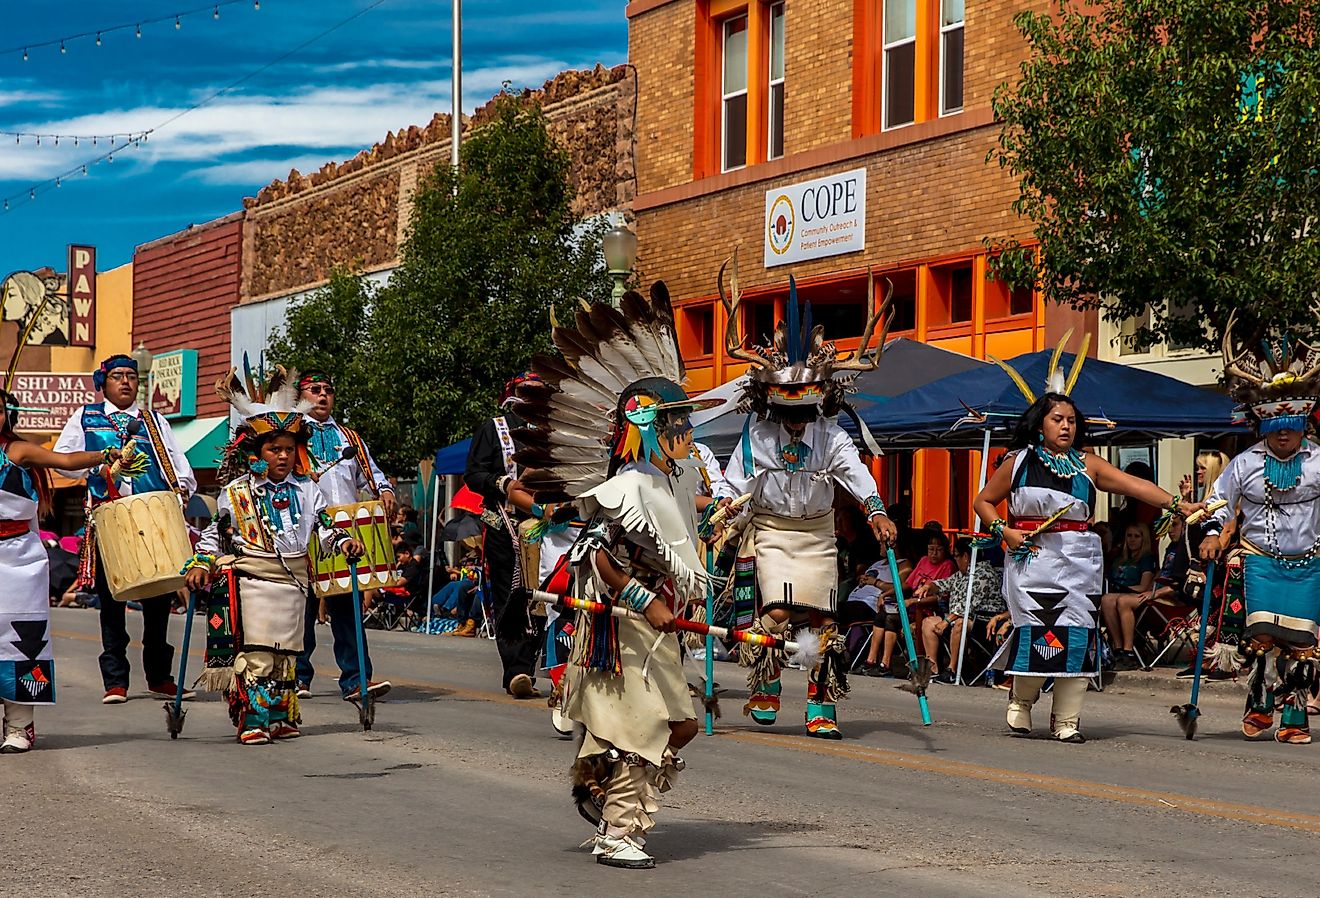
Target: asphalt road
x=460 y=790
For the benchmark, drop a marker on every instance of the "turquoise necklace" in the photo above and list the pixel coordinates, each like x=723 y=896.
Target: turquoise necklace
x=1283 y=475
x=1065 y=464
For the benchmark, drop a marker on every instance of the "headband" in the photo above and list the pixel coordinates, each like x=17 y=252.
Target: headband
x=110 y=364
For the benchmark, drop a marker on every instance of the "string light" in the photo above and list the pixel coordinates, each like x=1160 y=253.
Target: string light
x=213 y=8
x=54 y=139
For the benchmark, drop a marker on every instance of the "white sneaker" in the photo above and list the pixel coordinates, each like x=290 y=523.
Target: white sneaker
x=624 y=852
x=18 y=739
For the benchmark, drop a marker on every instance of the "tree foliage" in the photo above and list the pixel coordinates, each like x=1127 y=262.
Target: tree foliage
x=489 y=251
x=1167 y=155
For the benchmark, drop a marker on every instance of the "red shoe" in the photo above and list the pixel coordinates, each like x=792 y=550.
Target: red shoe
x=170 y=689
x=1256 y=723
x=284 y=730
x=115 y=695
x=1293 y=735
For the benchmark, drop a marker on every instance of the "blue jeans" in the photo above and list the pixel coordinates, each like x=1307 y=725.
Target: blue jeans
x=458 y=595
x=343 y=628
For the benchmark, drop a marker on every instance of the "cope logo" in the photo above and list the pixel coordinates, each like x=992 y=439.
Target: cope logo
x=781 y=223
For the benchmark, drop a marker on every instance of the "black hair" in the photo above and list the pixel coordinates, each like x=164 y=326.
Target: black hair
x=1032 y=421
x=934 y=535
x=410 y=514
x=794 y=414
x=963 y=546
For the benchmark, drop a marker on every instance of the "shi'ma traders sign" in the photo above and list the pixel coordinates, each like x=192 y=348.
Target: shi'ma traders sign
x=815 y=219
x=60 y=396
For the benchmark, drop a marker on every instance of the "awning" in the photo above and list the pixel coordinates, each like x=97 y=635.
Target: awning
x=202 y=440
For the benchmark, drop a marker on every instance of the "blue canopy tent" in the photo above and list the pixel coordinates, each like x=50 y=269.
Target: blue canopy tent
x=1144 y=406
x=452 y=459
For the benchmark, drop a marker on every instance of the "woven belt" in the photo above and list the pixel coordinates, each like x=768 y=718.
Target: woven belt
x=10 y=529
x=1030 y=524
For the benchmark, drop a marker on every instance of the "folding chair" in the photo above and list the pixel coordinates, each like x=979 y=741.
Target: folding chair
x=1178 y=625
x=486 y=629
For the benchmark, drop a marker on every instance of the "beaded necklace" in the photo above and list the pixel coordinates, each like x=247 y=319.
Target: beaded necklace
x=279 y=500
x=1281 y=477
x=1064 y=464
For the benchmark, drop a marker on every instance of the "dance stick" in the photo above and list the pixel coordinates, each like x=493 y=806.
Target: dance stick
x=572 y=603
x=174 y=712
x=907 y=637
x=1188 y=713
x=366 y=711
x=710 y=642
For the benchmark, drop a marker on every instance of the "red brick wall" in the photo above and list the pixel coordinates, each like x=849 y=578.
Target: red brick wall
x=183 y=288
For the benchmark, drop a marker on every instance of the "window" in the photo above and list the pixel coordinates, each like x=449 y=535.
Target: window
x=903 y=306
x=734 y=118
x=951 y=56
x=775 y=146
x=697 y=335
x=759 y=321
x=1184 y=337
x=1021 y=301
x=899 y=79
x=950 y=298
x=1127 y=333
x=960 y=295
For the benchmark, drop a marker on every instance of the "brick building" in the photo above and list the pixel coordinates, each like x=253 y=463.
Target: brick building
x=749 y=112
x=355 y=214
x=184 y=287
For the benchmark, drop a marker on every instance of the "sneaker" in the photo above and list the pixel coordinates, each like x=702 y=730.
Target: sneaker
x=284 y=730
x=521 y=686
x=873 y=670
x=169 y=689
x=1126 y=661
x=1218 y=674
x=944 y=678
x=374 y=689
x=622 y=852
x=115 y=695
x=254 y=736
x=304 y=690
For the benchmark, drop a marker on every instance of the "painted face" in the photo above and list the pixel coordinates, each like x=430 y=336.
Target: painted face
x=279 y=453
x=322 y=397
x=121 y=386
x=1284 y=443
x=1059 y=427
x=675 y=435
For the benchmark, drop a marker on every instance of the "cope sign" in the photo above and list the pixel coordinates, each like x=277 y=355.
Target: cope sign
x=815 y=219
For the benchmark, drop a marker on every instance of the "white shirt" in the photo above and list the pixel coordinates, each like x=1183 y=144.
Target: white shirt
x=348 y=481
x=74 y=439
x=808 y=492
x=713 y=470
x=1296 y=515
x=293 y=533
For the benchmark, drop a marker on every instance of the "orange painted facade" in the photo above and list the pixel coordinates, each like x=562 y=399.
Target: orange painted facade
x=930 y=200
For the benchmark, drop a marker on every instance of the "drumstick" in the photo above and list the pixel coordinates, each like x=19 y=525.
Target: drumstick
x=347 y=453
x=1210 y=509
x=1045 y=524
x=127 y=447
x=731 y=509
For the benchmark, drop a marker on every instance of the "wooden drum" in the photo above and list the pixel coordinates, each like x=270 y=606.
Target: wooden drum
x=367 y=522
x=143 y=542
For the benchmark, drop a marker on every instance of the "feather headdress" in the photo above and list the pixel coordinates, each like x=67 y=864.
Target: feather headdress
x=1279 y=382
x=1055 y=382
x=604 y=397
x=265 y=406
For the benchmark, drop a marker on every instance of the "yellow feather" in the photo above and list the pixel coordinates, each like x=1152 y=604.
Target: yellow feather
x=1054 y=359
x=1017 y=379
x=1078 y=360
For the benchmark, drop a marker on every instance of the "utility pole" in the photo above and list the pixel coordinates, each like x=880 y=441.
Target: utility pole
x=456 y=122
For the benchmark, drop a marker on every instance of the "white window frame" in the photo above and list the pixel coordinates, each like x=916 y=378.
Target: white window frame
x=885 y=49
x=773 y=82
x=724 y=98
x=945 y=30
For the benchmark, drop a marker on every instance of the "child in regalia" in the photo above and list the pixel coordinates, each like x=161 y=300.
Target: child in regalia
x=255 y=551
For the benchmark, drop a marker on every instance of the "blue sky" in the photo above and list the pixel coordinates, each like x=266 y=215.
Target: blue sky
x=386 y=70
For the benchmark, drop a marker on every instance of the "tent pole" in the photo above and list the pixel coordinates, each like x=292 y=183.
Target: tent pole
x=434 y=550
x=971 y=567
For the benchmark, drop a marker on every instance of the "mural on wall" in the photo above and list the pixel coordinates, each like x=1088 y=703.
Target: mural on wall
x=39 y=306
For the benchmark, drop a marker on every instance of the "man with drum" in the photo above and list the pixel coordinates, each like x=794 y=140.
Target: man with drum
x=344 y=478
x=161 y=466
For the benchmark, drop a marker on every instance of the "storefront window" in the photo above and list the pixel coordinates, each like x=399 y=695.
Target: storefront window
x=735 y=94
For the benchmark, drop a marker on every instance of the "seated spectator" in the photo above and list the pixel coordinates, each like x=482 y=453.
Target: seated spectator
x=406 y=520
x=935 y=564
x=460 y=598
x=987 y=600
x=997 y=630
x=887 y=624
x=857 y=546
x=1131 y=576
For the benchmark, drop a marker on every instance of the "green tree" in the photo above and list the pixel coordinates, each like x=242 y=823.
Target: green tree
x=1166 y=153
x=489 y=251
x=326 y=330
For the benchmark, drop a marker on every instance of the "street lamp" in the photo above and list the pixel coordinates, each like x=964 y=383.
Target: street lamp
x=142 y=355
x=620 y=245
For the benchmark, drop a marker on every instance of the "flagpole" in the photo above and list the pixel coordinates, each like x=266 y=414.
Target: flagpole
x=971 y=567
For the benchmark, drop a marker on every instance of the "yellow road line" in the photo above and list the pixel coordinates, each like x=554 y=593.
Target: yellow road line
x=928 y=764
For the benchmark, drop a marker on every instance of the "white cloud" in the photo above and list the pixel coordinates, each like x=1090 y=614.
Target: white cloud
x=337 y=120
x=397 y=64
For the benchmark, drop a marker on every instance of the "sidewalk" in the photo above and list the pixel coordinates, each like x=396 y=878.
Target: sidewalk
x=1164 y=679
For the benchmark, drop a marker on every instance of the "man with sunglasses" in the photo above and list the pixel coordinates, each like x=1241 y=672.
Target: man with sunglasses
x=343 y=481
x=113 y=424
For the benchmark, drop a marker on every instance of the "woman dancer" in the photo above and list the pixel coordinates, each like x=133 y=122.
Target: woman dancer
x=1054 y=577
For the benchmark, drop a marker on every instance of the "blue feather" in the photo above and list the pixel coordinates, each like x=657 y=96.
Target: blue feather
x=806 y=329
x=794 y=347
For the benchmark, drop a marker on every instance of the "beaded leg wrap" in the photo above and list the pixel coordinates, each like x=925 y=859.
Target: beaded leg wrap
x=264 y=692
x=1297 y=685
x=763 y=665
x=827 y=683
